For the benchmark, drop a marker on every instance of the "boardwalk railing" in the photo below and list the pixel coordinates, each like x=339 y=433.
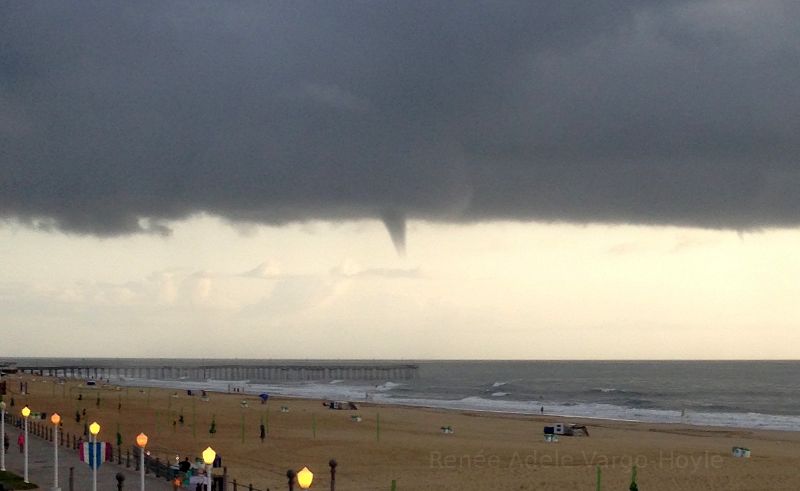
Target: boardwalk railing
x=130 y=458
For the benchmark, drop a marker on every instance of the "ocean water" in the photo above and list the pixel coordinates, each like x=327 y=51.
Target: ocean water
x=741 y=394
x=746 y=394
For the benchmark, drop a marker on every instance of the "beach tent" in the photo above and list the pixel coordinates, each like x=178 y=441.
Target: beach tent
x=264 y=396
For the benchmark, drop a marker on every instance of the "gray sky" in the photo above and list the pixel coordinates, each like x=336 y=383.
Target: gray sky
x=118 y=116
x=121 y=120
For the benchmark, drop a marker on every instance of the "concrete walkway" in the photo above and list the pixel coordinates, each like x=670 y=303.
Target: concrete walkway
x=40 y=468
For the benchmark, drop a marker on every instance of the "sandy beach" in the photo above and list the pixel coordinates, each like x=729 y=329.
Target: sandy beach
x=486 y=451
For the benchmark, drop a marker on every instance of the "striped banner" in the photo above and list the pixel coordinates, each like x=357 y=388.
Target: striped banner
x=93 y=454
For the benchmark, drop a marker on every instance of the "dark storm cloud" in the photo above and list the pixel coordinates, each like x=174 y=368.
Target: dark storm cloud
x=121 y=117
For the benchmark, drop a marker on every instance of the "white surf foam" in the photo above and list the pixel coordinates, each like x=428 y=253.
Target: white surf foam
x=382 y=394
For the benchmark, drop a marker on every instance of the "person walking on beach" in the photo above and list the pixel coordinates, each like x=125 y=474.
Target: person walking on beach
x=541 y=410
x=21 y=442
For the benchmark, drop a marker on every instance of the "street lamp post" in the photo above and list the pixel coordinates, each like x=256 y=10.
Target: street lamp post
x=25 y=413
x=2 y=436
x=304 y=478
x=141 y=442
x=94 y=429
x=55 y=419
x=208 y=458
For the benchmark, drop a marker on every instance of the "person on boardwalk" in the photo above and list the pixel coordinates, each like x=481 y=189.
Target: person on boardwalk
x=6 y=442
x=21 y=442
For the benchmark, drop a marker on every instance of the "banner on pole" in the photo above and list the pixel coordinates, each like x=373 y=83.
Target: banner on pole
x=94 y=454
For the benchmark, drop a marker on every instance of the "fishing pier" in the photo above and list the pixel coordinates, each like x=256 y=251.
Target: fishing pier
x=253 y=372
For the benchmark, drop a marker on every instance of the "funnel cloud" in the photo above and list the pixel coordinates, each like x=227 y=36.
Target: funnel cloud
x=120 y=117
x=396 y=226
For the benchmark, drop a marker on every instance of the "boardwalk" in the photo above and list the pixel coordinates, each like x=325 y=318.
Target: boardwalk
x=40 y=468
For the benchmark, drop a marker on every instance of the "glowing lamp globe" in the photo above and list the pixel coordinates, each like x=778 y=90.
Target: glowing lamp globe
x=2 y=406
x=94 y=428
x=26 y=411
x=209 y=455
x=304 y=478
x=55 y=419
x=141 y=440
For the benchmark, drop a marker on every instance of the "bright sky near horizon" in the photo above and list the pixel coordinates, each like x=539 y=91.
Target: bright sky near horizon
x=602 y=180
x=317 y=290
